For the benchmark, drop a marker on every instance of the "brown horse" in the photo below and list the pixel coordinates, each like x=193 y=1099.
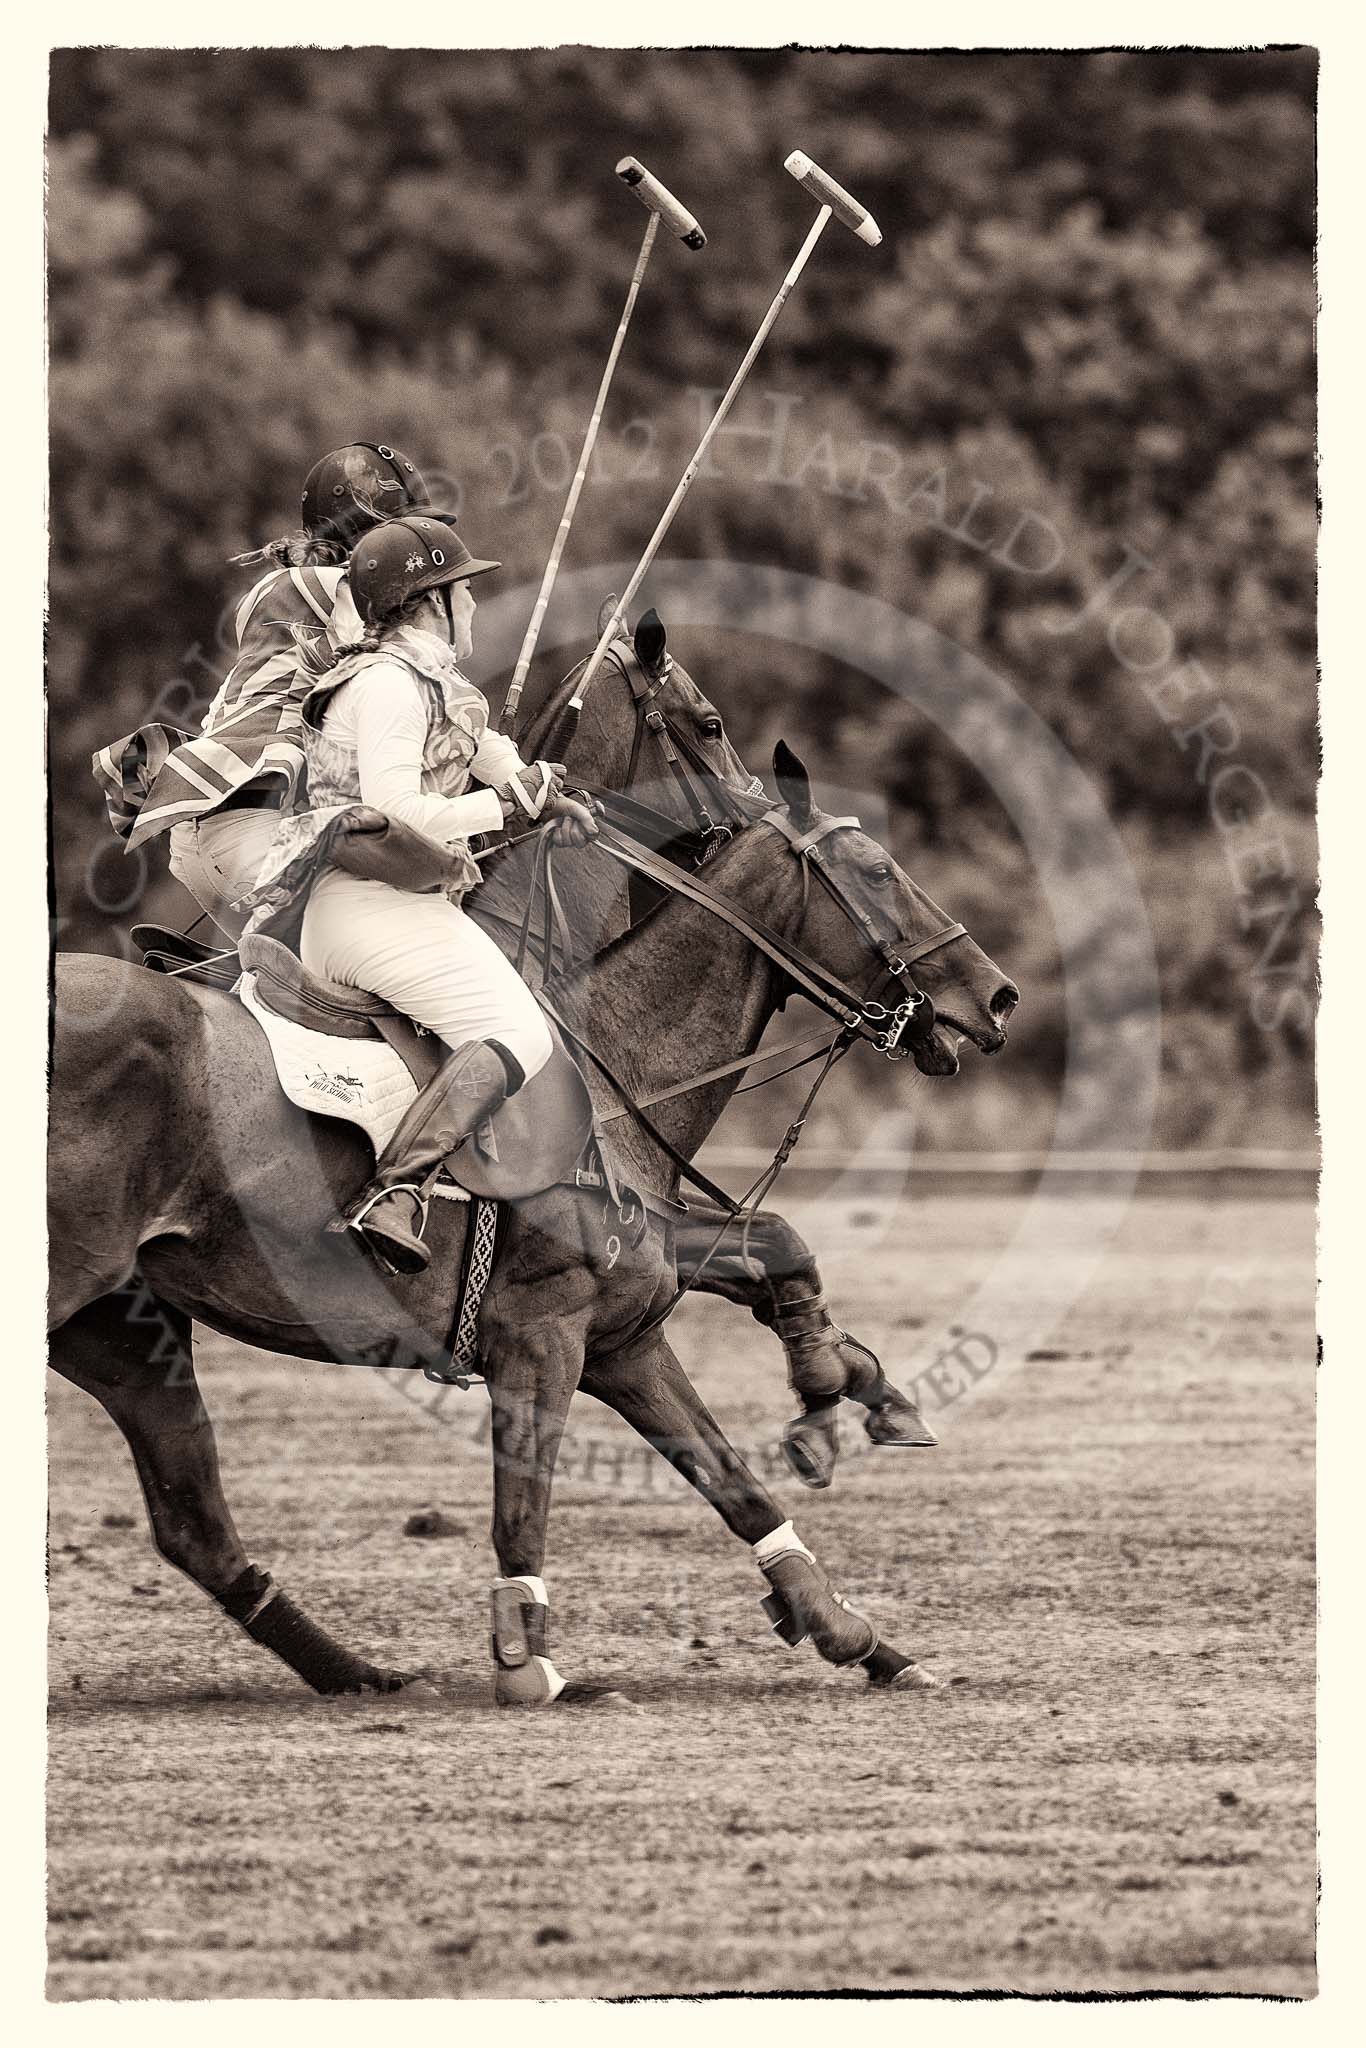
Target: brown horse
x=648 y=730
x=175 y=1157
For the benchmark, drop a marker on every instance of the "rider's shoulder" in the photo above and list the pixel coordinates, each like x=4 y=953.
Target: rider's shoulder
x=297 y=595
x=379 y=676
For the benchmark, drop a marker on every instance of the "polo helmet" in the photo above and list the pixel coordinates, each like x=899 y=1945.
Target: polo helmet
x=355 y=487
x=396 y=562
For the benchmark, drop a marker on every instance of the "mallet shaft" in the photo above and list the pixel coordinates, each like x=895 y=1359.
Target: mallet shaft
x=614 y=624
x=552 y=567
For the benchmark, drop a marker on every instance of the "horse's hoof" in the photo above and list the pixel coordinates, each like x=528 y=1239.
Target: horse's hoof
x=888 y=1667
x=915 y=1678
x=415 y=1688
x=582 y=1694
x=367 y=1684
x=897 y=1420
x=363 y=1692
x=910 y=1678
x=811 y=1445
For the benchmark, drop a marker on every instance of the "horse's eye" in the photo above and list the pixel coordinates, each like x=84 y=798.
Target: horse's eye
x=712 y=729
x=881 y=875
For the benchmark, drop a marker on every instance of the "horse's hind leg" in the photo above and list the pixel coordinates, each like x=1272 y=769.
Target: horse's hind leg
x=771 y=1270
x=133 y=1353
x=648 y=1387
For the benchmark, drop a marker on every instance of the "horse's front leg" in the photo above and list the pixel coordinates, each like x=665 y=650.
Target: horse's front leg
x=533 y=1371
x=648 y=1387
x=772 y=1271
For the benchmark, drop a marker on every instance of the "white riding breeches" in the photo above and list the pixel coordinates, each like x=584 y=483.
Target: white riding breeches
x=425 y=957
x=216 y=858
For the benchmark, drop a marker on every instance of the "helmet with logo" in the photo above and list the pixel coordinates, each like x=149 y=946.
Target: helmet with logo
x=399 y=560
x=354 y=487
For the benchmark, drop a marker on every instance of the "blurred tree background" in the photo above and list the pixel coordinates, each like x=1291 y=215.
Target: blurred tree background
x=1094 y=304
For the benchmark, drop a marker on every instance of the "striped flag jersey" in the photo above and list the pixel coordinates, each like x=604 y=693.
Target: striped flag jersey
x=161 y=776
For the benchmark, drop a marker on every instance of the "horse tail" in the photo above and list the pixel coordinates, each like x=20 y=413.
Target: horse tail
x=119 y=1145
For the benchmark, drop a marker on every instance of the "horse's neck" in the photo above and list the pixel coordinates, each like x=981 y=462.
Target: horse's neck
x=681 y=993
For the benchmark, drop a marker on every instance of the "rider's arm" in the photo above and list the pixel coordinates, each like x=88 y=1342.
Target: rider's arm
x=391 y=717
x=496 y=760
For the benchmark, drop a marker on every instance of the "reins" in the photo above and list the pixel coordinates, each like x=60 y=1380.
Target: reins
x=744 y=1211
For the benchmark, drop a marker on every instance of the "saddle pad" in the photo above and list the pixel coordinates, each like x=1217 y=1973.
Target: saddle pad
x=535 y=1139
x=361 y=1080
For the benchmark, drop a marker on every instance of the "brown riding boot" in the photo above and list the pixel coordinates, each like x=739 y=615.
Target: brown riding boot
x=391 y=1213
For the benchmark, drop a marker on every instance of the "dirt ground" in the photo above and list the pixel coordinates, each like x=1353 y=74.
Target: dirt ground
x=1109 y=1559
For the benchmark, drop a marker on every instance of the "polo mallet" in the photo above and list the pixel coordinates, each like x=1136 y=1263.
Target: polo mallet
x=661 y=205
x=832 y=199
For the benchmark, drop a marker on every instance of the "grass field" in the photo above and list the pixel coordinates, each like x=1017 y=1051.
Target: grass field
x=1109 y=1559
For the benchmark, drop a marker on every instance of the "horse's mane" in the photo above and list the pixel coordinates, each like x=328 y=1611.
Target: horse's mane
x=534 y=730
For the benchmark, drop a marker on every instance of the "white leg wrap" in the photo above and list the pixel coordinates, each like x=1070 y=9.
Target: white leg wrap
x=534 y=1588
x=523 y=1677
x=781 y=1542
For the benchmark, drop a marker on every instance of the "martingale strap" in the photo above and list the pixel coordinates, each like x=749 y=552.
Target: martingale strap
x=647 y=1124
x=811 y=1044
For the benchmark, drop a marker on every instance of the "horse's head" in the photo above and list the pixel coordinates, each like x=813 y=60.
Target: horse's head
x=647 y=731
x=867 y=912
x=693 y=719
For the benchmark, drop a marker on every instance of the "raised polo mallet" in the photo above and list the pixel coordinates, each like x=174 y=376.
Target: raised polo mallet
x=832 y=199
x=661 y=205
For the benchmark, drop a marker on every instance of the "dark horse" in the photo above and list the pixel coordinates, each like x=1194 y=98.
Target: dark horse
x=646 y=729
x=175 y=1156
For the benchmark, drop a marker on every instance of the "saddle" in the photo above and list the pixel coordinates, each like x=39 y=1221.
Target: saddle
x=344 y=1052
x=532 y=1141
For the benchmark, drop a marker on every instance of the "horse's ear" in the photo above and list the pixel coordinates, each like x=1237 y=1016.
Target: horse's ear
x=651 y=640
x=605 y=611
x=794 y=785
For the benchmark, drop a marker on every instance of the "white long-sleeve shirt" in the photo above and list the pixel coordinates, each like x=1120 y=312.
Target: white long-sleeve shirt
x=384 y=713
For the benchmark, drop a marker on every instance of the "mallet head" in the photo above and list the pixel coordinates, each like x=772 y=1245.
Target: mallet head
x=826 y=192
x=660 y=200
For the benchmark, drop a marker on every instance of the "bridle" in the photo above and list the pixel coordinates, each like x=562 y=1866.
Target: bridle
x=898 y=954
x=709 y=799
x=694 y=775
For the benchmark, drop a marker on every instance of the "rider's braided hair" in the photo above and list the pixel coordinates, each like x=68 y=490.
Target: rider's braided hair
x=295 y=551
x=372 y=637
